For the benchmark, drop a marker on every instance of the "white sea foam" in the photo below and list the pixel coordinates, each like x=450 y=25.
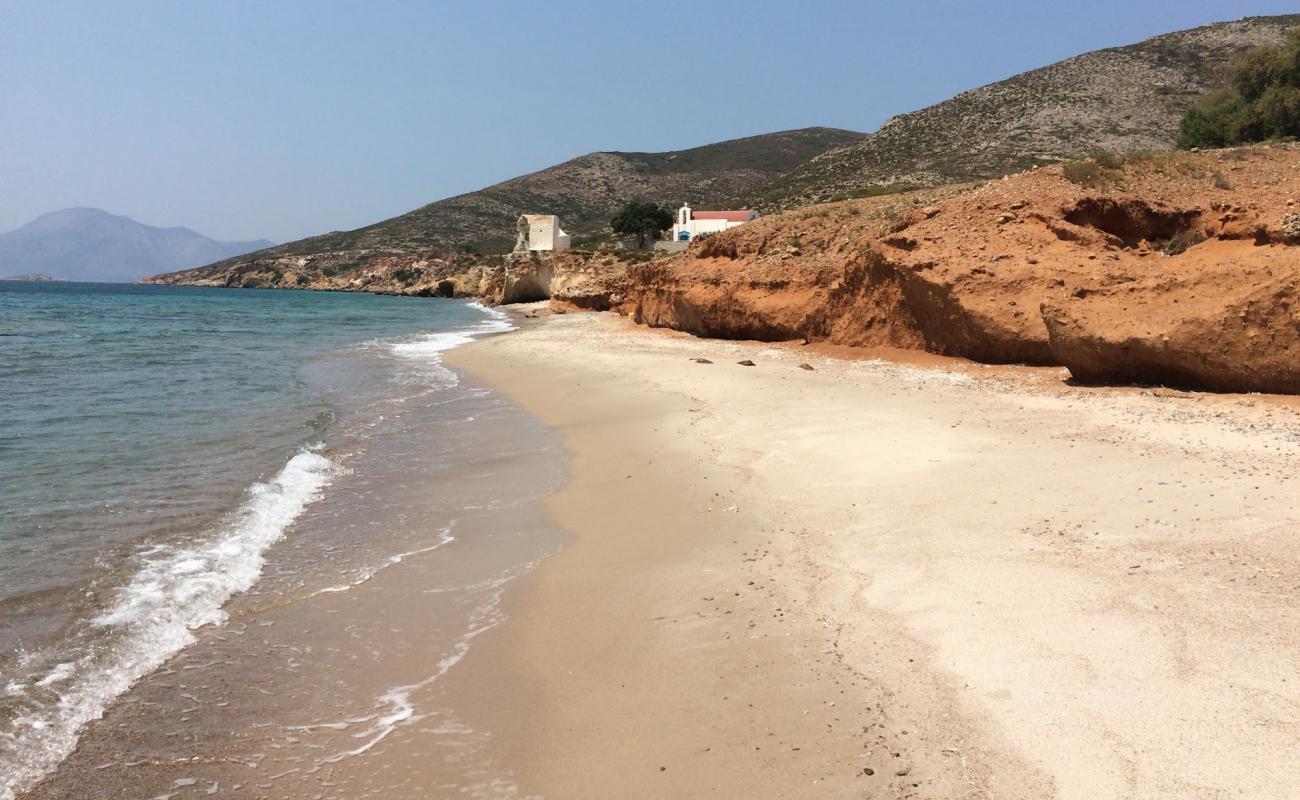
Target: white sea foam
x=434 y=343
x=424 y=353
x=444 y=538
x=175 y=590
x=395 y=708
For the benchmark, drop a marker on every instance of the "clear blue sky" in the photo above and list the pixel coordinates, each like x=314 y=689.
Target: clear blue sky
x=282 y=119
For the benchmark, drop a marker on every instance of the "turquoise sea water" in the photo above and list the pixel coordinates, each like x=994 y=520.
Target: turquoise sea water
x=154 y=441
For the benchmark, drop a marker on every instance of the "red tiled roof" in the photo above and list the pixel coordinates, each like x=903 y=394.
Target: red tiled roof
x=730 y=216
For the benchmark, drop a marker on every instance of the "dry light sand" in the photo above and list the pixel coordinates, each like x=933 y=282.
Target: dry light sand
x=964 y=583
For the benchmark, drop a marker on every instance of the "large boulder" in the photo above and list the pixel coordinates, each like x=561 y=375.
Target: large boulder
x=1229 y=325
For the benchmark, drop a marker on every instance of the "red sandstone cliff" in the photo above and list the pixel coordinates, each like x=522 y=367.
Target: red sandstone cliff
x=1173 y=268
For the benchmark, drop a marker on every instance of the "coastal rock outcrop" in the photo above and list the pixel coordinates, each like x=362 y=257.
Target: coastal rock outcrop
x=1228 y=324
x=590 y=281
x=1175 y=268
x=575 y=278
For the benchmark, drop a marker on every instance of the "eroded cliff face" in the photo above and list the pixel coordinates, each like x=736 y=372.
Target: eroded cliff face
x=1177 y=268
x=1232 y=323
x=594 y=281
x=422 y=274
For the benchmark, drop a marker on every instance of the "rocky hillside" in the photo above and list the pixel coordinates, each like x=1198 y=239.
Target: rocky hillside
x=1179 y=268
x=1125 y=99
x=1122 y=99
x=584 y=192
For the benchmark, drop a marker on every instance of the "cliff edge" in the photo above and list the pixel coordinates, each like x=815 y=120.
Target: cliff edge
x=1177 y=268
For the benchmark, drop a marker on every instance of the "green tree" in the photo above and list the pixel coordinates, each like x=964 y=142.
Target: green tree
x=642 y=220
x=1263 y=103
x=1256 y=70
x=1277 y=112
x=1216 y=120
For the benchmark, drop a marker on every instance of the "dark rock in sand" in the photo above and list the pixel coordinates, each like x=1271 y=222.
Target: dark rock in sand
x=746 y=363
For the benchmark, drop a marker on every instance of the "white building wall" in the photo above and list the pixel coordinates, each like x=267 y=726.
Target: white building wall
x=695 y=227
x=547 y=235
x=541 y=236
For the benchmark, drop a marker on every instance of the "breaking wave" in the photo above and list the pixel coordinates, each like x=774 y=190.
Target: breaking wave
x=174 y=589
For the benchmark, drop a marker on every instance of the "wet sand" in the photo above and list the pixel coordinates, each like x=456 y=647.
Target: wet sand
x=885 y=580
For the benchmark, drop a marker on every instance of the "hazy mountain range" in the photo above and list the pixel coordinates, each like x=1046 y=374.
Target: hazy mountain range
x=89 y=244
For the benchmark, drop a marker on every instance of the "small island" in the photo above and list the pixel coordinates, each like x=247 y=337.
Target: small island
x=40 y=278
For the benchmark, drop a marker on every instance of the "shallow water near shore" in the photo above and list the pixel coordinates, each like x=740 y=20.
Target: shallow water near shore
x=287 y=524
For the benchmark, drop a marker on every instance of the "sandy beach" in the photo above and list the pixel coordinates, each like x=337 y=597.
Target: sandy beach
x=868 y=579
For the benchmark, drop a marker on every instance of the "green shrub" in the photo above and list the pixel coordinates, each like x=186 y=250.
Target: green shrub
x=1263 y=103
x=1108 y=160
x=1093 y=173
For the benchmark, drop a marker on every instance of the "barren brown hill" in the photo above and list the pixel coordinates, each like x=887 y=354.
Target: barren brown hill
x=585 y=192
x=1180 y=269
x=1122 y=99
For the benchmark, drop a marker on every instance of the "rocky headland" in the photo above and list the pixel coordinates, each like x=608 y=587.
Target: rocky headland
x=38 y=278
x=592 y=280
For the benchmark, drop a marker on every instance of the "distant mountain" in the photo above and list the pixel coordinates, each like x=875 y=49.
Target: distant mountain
x=38 y=278
x=1120 y=99
x=88 y=244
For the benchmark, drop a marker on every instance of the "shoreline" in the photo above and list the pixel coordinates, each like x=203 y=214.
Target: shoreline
x=370 y=597
x=906 y=580
x=781 y=578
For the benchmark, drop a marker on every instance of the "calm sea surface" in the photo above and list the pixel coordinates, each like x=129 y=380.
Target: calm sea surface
x=155 y=442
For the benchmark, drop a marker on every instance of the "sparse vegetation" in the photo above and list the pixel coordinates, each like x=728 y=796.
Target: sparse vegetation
x=1180 y=242
x=1102 y=171
x=1263 y=103
x=1108 y=160
x=875 y=190
x=634 y=256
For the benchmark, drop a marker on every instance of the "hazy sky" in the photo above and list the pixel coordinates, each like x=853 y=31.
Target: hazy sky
x=284 y=119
